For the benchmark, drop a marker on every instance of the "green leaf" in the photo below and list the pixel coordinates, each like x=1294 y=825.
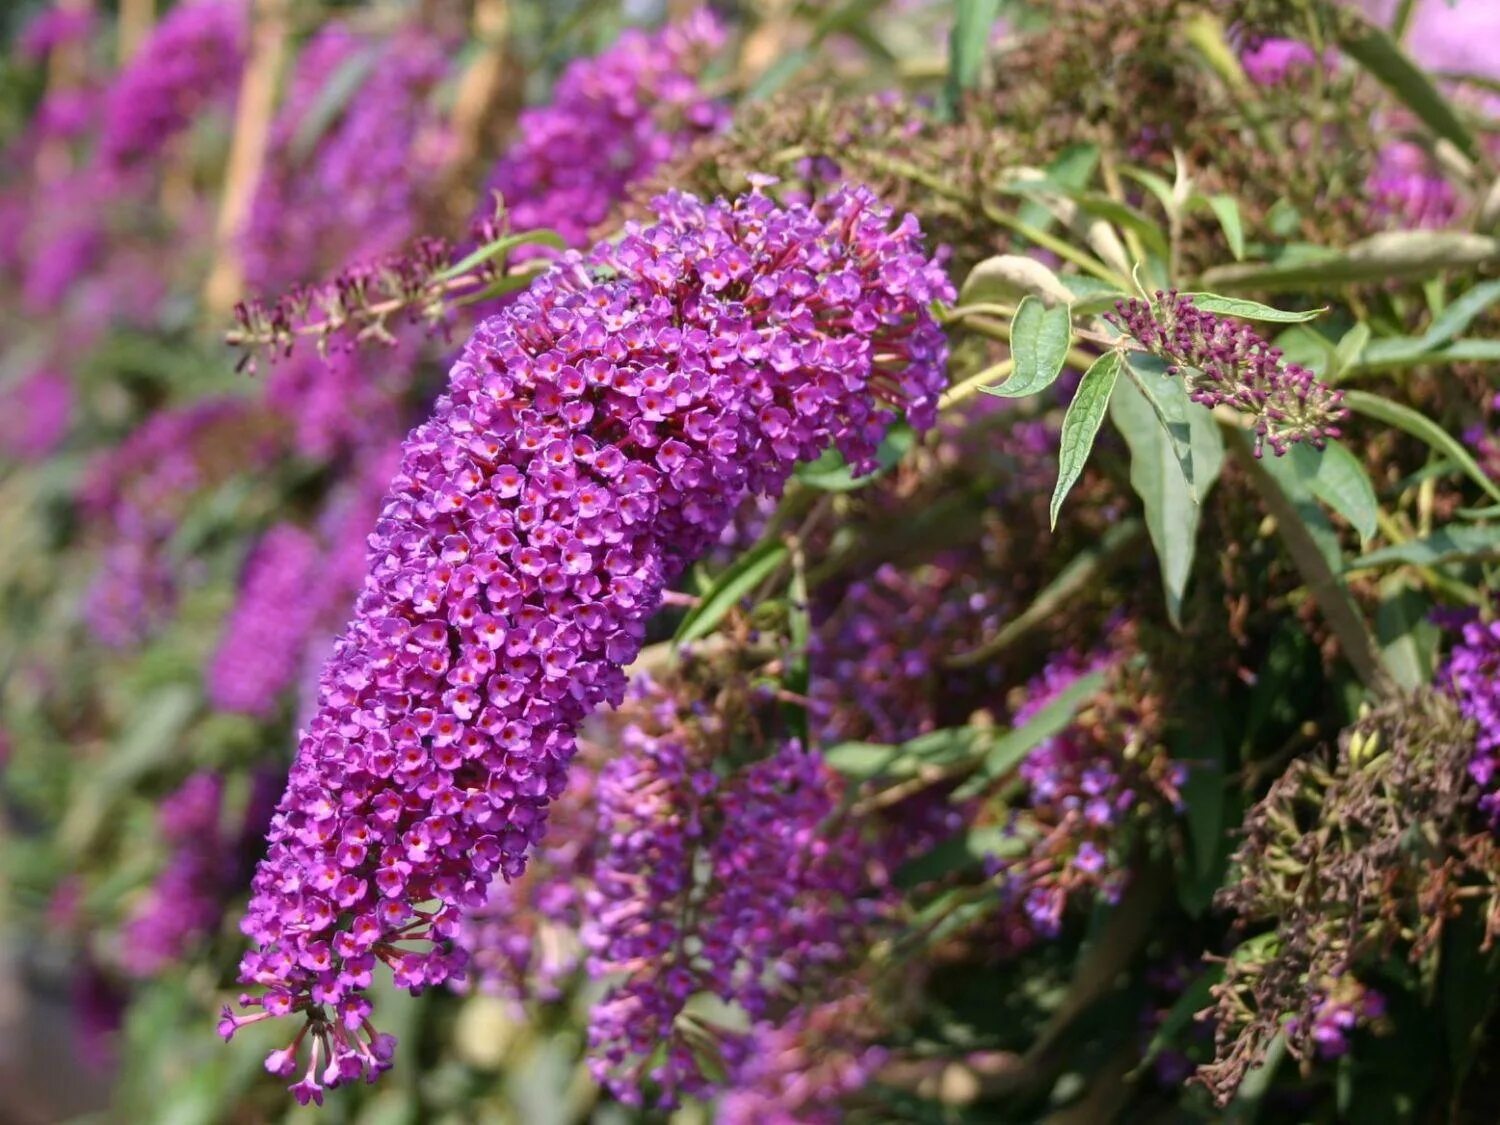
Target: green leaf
x=1336 y=477
x=1451 y=322
x=1250 y=310
x=1470 y=988
x=1405 y=631
x=1393 y=255
x=1005 y=277
x=1189 y=429
x=967 y=849
x=333 y=98
x=1192 y=1000
x=1071 y=170
x=1346 y=356
x=1155 y=184
x=499 y=247
x=967 y=47
x=831 y=473
x=1293 y=482
x=1090 y=295
x=1423 y=427
x=1081 y=425
x=735 y=582
x=869 y=761
x=1039 y=340
x=1171 y=513
x=1394 y=353
x=1011 y=749
x=1374 y=49
x=1227 y=211
x=1451 y=544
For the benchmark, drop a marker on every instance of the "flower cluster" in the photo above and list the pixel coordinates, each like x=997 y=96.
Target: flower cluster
x=595 y=437
x=732 y=887
x=1270 y=61
x=1407 y=190
x=1327 y=865
x=191 y=61
x=1473 y=676
x=1336 y=1013
x=35 y=414
x=800 y=1071
x=134 y=495
x=876 y=661
x=612 y=120
x=1084 y=788
x=208 y=846
x=1225 y=362
x=523 y=943
x=357 y=193
x=56 y=26
x=263 y=639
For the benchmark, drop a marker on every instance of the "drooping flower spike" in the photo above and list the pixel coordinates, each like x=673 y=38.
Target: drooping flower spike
x=1226 y=362
x=595 y=438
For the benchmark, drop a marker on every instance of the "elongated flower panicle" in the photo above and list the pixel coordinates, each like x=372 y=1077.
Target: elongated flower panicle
x=356 y=193
x=1084 y=788
x=1226 y=363
x=34 y=415
x=263 y=638
x=1473 y=677
x=191 y=61
x=799 y=1071
x=613 y=119
x=594 y=439
x=739 y=887
x=1408 y=190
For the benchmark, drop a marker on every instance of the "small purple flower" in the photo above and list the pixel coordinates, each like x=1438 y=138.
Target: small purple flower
x=35 y=414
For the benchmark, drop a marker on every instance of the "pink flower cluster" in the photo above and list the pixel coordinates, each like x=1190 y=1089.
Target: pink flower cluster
x=612 y=120
x=708 y=885
x=354 y=191
x=191 y=61
x=595 y=437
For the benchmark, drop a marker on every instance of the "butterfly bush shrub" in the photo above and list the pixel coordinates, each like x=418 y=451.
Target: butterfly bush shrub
x=831 y=566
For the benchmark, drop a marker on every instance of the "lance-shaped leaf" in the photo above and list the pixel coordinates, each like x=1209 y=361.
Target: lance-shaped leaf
x=1409 y=254
x=1156 y=475
x=1011 y=749
x=1039 y=339
x=1250 y=310
x=1227 y=211
x=1374 y=49
x=735 y=582
x=1423 y=427
x=967 y=47
x=1191 y=432
x=1336 y=477
x=1452 y=544
x=1081 y=425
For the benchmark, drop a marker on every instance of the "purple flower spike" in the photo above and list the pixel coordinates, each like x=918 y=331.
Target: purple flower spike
x=192 y=61
x=613 y=119
x=1226 y=363
x=595 y=438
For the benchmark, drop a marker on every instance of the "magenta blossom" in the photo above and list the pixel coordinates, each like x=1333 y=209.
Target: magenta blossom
x=595 y=438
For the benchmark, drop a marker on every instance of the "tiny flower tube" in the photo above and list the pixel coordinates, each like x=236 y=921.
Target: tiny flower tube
x=595 y=438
